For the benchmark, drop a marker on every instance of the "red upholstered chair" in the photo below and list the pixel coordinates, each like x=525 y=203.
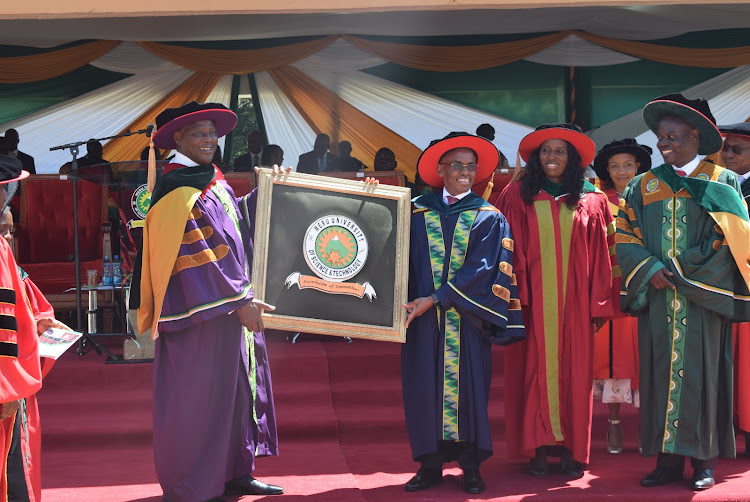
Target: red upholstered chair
x=241 y=183
x=500 y=179
x=45 y=230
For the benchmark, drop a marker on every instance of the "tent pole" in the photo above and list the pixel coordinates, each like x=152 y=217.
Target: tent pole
x=233 y=103
x=256 y=107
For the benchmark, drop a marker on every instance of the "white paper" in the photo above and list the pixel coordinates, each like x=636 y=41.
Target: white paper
x=55 y=341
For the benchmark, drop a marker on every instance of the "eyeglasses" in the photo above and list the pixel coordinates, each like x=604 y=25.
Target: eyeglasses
x=202 y=134
x=737 y=150
x=459 y=166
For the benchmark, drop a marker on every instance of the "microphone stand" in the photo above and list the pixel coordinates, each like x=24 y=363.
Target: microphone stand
x=74 y=150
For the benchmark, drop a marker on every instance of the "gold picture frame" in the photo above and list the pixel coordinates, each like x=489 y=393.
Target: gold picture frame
x=395 y=178
x=332 y=255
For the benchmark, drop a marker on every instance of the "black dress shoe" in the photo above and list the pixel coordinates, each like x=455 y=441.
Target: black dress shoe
x=661 y=476
x=472 y=482
x=248 y=485
x=702 y=479
x=424 y=479
x=572 y=468
x=538 y=464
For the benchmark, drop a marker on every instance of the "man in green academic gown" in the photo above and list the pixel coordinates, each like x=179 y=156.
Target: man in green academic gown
x=683 y=242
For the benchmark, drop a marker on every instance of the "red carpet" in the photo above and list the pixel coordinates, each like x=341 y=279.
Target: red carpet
x=342 y=437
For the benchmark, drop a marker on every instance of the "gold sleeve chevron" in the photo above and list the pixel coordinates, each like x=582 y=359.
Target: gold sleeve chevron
x=200 y=258
x=197 y=234
x=506 y=268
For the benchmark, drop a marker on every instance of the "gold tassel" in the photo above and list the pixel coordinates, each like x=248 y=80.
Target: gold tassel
x=518 y=171
x=488 y=189
x=151 y=180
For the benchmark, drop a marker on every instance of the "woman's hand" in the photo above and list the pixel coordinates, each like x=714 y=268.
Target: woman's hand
x=46 y=323
x=9 y=409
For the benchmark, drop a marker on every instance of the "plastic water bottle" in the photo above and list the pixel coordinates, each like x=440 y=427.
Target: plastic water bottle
x=107 y=271
x=117 y=272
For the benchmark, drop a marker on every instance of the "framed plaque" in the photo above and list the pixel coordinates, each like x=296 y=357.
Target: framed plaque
x=332 y=255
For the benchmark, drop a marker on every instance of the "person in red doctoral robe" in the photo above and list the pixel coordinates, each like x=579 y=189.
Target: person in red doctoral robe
x=616 y=344
x=563 y=231
x=20 y=431
x=20 y=371
x=735 y=154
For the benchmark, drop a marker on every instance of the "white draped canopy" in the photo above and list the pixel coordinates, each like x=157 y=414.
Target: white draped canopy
x=727 y=96
x=416 y=116
x=100 y=113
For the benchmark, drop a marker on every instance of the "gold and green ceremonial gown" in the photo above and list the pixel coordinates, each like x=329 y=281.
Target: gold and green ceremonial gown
x=697 y=228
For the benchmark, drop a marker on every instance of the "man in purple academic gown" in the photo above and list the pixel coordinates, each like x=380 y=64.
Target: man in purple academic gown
x=464 y=299
x=213 y=406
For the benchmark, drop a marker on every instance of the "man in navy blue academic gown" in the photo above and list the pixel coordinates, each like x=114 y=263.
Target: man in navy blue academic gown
x=464 y=299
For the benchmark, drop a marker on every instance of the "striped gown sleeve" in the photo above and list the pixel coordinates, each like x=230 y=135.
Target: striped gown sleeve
x=636 y=262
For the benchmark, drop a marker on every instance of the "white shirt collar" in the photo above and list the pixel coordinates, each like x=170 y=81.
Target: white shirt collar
x=183 y=159
x=459 y=196
x=690 y=166
x=743 y=177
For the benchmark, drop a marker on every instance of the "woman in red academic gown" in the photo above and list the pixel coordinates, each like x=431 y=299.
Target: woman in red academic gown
x=616 y=343
x=563 y=231
x=20 y=371
x=21 y=436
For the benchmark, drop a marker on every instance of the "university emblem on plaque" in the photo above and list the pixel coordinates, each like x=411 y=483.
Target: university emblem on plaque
x=335 y=249
x=141 y=201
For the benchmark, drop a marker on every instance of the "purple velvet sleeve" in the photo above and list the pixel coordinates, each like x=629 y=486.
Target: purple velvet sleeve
x=211 y=274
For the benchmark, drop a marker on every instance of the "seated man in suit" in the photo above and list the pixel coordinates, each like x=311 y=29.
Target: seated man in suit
x=246 y=162
x=347 y=163
x=319 y=159
x=385 y=160
x=26 y=159
x=273 y=155
x=93 y=157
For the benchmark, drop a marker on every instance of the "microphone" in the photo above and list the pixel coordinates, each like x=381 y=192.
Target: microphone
x=149 y=130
